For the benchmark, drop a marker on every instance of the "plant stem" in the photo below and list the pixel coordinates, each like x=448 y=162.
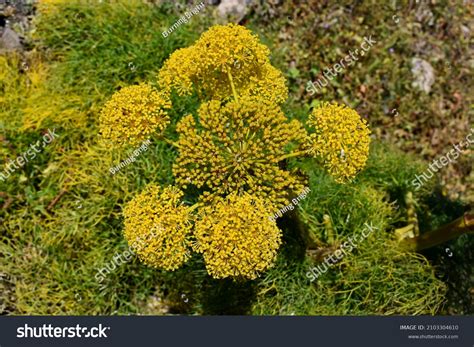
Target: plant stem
x=462 y=225
x=193 y=207
x=174 y=144
x=411 y=211
x=232 y=85
x=302 y=229
x=329 y=228
x=291 y=155
x=56 y=199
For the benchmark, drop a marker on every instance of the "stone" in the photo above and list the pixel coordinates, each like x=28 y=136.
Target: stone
x=10 y=40
x=234 y=9
x=423 y=74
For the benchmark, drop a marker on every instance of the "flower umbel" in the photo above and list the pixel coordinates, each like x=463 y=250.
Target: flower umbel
x=222 y=51
x=235 y=150
x=158 y=227
x=133 y=114
x=237 y=238
x=235 y=147
x=341 y=139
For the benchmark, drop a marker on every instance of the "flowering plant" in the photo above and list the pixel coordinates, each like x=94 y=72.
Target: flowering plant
x=234 y=150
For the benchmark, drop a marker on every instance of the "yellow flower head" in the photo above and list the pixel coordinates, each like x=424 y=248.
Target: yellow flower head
x=237 y=238
x=158 y=227
x=341 y=139
x=133 y=114
x=235 y=147
x=221 y=53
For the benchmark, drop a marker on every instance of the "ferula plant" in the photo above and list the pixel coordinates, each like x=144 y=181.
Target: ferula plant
x=233 y=150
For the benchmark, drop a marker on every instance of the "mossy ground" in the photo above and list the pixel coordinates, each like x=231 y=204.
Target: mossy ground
x=81 y=52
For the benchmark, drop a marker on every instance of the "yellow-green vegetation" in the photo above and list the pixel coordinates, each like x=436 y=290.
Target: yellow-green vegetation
x=378 y=278
x=62 y=215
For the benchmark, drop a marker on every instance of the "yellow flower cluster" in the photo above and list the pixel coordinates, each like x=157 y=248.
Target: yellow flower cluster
x=239 y=144
x=222 y=53
x=158 y=227
x=341 y=139
x=233 y=150
x=236 y=237
x=133 y=114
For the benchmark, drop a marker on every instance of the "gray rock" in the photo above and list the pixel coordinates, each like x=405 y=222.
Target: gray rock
x=10 y=40
x=235 y=9
x=423 y=74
